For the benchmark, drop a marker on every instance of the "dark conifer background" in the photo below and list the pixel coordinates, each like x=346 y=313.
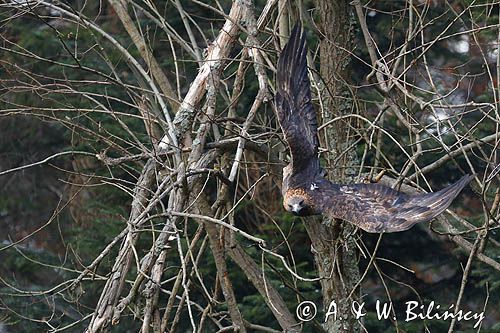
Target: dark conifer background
x=140 y=164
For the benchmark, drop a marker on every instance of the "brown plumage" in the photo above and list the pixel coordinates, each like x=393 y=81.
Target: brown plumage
x=371 y=207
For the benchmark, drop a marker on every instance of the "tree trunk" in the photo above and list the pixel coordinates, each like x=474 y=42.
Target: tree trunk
x=333 y=246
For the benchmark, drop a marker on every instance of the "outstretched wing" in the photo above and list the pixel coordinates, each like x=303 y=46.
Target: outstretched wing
x=293 y=102
x=376 y=208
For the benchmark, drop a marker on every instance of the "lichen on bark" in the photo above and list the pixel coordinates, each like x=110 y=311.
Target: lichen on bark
x=332 y=240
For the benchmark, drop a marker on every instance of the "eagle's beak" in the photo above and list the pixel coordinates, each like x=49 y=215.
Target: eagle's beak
x=296 y=208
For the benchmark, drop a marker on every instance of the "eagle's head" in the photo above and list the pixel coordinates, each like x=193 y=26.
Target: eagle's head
x=297 y=202
x=296 y=206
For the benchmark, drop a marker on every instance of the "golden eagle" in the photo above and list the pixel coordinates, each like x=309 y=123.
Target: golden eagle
x=371 y=207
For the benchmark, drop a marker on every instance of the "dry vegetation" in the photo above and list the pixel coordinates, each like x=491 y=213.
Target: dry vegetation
x=141 y=162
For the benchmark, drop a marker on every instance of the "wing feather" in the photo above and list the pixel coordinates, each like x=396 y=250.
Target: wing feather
x=293 y=102
x=377 y=208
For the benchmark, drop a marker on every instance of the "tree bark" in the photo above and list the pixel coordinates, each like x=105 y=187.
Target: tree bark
x=332 y=241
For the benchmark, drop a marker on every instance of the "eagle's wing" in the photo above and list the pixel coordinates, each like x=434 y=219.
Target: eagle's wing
x=293 y=101
x=376 y=208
